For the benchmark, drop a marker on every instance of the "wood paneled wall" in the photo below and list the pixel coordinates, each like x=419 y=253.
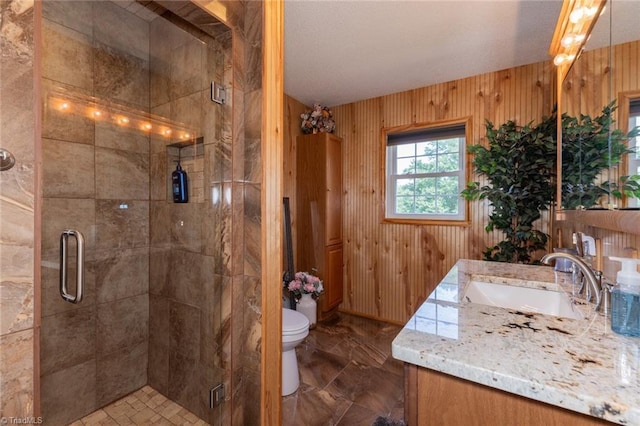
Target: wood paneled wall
x=292 y=111
x=391 y=268
x=586 y=88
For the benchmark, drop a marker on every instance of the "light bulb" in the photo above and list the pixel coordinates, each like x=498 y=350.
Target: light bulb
x=123 y=120
x=572 y=39
x=166 y=132
x=560 y=59
x=582 y=13
x=65 y=106
x=576 y=16
x=97 y=114
x=590 y=11
x=147 y=126
x=567 y=40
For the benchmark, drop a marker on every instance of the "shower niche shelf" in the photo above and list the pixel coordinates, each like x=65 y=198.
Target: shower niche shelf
x=187 y=143
x=190 y=153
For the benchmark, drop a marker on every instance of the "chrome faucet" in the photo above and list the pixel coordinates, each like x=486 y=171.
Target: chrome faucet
x=593 y=278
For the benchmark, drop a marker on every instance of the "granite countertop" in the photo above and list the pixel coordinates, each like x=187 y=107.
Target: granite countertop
x=577 y=364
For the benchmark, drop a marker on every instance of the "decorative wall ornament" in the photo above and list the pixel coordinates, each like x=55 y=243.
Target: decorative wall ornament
x=318 y=120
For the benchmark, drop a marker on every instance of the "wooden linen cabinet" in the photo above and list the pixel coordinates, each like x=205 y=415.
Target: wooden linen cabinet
x=319 y=214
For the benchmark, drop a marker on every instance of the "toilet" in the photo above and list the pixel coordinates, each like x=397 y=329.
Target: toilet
x=295 y=327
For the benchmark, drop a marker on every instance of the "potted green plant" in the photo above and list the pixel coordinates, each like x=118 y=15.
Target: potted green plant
x=520 y=163
x=519 y=166
x=590 y=147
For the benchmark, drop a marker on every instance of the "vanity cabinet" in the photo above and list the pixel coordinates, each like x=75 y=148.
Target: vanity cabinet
x=434 y=398
x=318 y=218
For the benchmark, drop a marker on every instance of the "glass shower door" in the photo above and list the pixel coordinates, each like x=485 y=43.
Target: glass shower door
x=125 y=93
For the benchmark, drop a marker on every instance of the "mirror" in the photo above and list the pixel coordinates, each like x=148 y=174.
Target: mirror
x=594 y=149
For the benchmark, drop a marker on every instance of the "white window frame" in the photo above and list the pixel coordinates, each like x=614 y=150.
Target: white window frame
x=633 y=160
x=417 y=134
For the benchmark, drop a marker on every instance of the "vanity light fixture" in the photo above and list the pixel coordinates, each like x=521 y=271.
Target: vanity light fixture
x=575 y=22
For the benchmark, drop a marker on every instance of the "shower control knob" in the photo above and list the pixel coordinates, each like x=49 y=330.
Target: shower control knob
x=7 y=160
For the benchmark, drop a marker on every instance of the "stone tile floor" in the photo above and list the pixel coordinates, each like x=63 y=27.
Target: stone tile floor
x=145 y=406
x=347 y=378
x=347 y=375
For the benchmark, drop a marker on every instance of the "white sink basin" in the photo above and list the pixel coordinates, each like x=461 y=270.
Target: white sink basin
x=525 y=299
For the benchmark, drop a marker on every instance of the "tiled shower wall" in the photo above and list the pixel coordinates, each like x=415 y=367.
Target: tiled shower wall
x=17 y=236
x=96 y=180
x=240 y=183
x=188 y=245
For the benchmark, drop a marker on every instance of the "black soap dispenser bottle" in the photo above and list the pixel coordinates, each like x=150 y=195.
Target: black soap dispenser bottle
x=180 y=185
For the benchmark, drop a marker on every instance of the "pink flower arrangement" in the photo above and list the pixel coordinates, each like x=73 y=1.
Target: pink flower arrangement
x=318 y=120
x=305 y=283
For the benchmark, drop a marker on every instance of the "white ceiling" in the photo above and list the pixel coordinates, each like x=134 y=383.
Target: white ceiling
x=340 y=51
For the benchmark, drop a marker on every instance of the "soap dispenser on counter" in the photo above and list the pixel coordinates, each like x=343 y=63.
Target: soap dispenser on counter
x=625 y=298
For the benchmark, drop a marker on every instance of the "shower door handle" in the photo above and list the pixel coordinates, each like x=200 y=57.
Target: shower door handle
x=64 y=242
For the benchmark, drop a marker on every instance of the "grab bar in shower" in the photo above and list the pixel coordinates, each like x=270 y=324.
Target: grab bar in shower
x=64 y=242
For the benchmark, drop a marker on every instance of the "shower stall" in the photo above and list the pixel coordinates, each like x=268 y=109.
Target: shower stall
x=128 y=89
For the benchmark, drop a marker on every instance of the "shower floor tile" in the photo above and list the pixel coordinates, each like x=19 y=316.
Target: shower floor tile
x=145 y=406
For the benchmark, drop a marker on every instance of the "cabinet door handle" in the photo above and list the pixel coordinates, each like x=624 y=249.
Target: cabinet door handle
x=64 y=242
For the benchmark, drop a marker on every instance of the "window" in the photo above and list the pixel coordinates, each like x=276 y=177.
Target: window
x=634 y=144
x=425 y=172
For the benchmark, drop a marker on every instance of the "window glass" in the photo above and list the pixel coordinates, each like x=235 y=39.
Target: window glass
x=425 y=173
